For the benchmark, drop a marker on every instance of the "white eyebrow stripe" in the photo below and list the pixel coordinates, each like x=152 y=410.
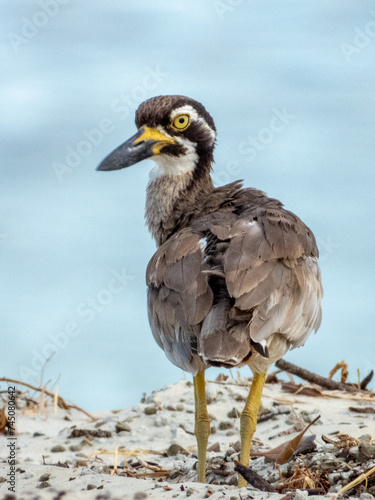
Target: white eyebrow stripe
x=185 y=109
x=188 y=109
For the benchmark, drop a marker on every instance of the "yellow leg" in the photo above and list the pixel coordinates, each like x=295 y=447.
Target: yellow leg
x=202 y=424
x=249 y=420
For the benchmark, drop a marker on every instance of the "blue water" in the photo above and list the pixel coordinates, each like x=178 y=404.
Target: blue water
x=73 y=74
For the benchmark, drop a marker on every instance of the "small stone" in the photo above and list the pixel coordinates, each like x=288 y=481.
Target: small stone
x=37 y=434
x=122 y=426
x=291 y=419
x=333 y=477
x=67 y=418
x=175 y=449
x=28 y=475
x=76 y=447
x=366 y=451
x=214 y=447
x=366 y=496
x=224 y=425
x=3 y=479
x=213 y=430
x=44 y=477
x=81 y=463
x=150 y=410
x=234 y=413
x=233 y=480
x=57 y=449
x=140 y=495
x=301 y=495
x=161 y=421
x=230 y=433
x=44 y=484
x=237 y=446
x=180 y=407
x=91 y=487
x=189 y=492
x=171 y=408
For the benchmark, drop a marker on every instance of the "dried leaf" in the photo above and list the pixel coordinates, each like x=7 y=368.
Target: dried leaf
x=282 y=453
x=344 y=371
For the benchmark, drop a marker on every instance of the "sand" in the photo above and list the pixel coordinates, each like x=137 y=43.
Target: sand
x=165 y=418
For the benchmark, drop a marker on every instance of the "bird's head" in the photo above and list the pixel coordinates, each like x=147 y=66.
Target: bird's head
x=176 y=131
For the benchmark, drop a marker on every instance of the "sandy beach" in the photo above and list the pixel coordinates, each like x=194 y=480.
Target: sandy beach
x=68 y=455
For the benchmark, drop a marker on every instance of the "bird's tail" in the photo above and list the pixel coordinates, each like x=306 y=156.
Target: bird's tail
x=220 y=344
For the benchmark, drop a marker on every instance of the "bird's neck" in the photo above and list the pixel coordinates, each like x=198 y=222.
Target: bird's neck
x=173 y=200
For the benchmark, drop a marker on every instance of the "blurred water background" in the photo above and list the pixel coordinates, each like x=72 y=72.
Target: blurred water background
x=291 y=86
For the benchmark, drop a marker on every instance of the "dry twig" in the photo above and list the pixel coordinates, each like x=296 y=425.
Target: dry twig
x=60 y=401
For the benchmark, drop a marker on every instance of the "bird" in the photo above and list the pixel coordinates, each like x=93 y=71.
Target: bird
x=235 y=278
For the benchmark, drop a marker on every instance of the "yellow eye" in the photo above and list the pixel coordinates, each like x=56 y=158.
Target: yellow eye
x=180 y=122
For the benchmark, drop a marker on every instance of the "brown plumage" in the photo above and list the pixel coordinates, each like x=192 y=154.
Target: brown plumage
x=239 y=269
x=235 y=278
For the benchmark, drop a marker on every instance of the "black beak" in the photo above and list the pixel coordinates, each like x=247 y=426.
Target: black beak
x=145 y=143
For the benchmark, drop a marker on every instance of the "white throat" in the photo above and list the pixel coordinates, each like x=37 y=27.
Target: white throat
x=173 y=165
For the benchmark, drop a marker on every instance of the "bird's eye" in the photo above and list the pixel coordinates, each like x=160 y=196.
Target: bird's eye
x=180 y=122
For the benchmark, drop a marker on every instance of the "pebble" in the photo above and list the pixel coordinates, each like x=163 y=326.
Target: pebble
x=366 y=496
x=230 y=433
x=3 y=479
x=161 y=421
x=122 y=426
x=81 y=463
x=214 y=447
x=291 y=419
x=189 y=492
x=366 y=450
x=44 y=484
x=224 y=425
x=57 y=448
x=44 y=477
x=140 y=495
x=175 y=449
x=28 y=475
x=234 y=413
x=76 y=447
x=180 y=407
x=150 y=410
x=91 y=487
x=237 y=446
x=334 y=477
x=300 y=495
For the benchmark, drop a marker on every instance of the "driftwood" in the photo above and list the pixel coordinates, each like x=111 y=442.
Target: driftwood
x=314 y=378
